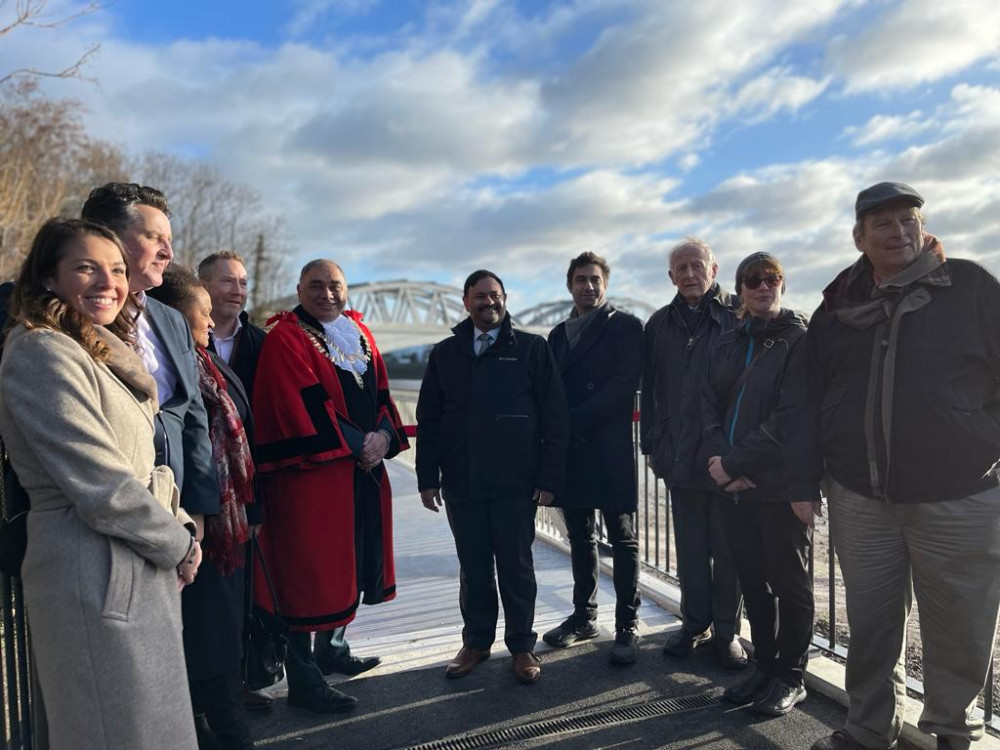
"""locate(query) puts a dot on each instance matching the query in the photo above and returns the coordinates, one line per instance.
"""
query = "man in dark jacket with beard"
(492, 439)
(599, 353)
(679, 338)
(901, 408)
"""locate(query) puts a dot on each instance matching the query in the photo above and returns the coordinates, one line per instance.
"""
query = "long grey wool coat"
(103, 542)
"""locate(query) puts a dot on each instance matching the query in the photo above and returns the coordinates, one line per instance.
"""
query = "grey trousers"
(710, 588)
(948, 554)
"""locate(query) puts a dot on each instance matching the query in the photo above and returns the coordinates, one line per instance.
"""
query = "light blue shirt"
(493, 334)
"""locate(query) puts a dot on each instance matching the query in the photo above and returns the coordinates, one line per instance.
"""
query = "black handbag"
(14, 507)
(266, 647)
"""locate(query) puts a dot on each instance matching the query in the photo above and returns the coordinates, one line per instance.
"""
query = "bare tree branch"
(73, 71)
(31, 14)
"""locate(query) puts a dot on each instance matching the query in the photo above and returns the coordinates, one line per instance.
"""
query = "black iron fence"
(15, 681)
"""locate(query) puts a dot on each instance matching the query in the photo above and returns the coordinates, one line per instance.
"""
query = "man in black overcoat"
(599, 353)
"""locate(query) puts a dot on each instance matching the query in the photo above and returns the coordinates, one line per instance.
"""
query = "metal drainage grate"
(549, 727)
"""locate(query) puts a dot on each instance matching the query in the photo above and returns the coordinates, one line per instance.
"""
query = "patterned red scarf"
(227, 531)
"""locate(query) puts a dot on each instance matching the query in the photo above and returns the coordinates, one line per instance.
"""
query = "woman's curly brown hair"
(35, 306)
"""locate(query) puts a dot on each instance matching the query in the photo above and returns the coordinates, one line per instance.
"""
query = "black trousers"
(220, 699)
(710, 588)
(771, 548)
(500, 532)
(580, 526)
(300, 663)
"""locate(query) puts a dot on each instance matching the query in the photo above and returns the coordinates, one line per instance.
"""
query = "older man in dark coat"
(679, 338)
(599, 354)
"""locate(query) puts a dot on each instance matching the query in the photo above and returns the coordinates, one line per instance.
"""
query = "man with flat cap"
(900, 407)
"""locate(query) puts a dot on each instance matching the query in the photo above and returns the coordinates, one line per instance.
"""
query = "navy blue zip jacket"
(494, 426)
(740, 400)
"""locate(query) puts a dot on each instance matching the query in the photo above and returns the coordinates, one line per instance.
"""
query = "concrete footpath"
(581, 701)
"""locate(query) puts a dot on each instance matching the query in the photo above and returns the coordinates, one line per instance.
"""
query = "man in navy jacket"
(491, 444)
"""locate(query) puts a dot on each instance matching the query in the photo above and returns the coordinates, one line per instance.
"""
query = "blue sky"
(426, 139)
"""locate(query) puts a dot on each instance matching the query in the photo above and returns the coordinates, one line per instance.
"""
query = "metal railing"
(15, 681)
(657, 556)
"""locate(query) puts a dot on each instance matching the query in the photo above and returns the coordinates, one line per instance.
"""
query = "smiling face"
(147, 241)
(198, 313)
(486, 303)
(91, 277)
(227, 286)
(693, 272)
(891, 236)
(588, 287)
(323, 292)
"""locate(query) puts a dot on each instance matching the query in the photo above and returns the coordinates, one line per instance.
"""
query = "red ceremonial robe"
(307, 472)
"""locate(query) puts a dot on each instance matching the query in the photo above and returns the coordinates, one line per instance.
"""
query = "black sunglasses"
(773, 280)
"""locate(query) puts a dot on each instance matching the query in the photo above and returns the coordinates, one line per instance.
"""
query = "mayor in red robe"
(324, 420)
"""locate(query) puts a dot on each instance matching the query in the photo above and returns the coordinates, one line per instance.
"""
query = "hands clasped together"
(806, 510)
(373, 450)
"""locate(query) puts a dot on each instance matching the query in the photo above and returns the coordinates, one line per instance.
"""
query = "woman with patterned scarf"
(213, 609)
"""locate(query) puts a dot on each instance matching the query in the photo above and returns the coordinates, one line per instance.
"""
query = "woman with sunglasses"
(769, 536)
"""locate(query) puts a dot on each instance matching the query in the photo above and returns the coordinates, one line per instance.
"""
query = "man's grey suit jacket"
(182, 440)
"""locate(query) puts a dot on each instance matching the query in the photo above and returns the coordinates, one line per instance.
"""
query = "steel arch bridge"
(549, 314)
(408, 303)
(404, 314)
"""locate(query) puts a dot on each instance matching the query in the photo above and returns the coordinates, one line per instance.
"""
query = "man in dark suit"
(491, 440)
(599, 352)
(140, 216)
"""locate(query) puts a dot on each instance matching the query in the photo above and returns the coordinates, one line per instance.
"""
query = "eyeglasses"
(773, 281)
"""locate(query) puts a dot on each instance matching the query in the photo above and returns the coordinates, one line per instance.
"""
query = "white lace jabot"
(348, 352)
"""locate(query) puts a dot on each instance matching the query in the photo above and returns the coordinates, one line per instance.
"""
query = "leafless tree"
(212, 213)
(29, 14)
(47, 162)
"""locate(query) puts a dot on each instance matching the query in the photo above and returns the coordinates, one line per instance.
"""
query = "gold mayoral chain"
(333, 353)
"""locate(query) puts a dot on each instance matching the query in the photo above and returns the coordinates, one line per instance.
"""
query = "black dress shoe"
(349, 665)
(779, 699)
(572, 630)
(748, 689)
(683, 642)
(731, 653)
(322, 700)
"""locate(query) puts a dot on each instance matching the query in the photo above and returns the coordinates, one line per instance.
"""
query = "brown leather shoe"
(465, 661)
(256, 701)
(527, 668)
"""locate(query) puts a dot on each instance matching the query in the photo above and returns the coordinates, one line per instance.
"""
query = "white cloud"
(882, 128)
(915, 42)
(490, 138)
(309, 13)
(776, 90)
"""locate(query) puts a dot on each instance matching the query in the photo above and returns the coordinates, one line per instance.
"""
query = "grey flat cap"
(878, 195)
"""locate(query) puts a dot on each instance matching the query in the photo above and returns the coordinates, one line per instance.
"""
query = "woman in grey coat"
(107, 551)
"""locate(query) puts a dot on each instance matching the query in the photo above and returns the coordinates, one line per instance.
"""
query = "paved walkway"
(407, 701)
